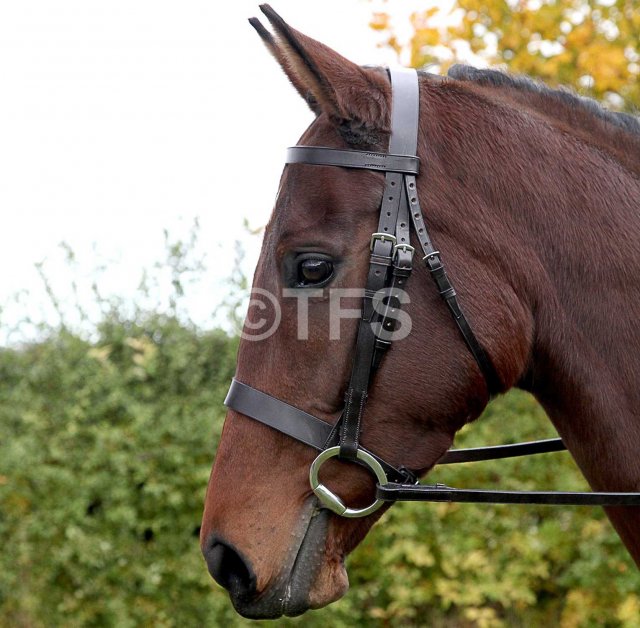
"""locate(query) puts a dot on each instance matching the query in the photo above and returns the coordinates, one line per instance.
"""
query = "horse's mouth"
(313, 582)
(307, 580)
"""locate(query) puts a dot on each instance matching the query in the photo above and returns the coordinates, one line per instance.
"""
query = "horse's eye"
(314, 271)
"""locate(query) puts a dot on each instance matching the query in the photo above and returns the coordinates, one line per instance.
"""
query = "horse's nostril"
(229, 568)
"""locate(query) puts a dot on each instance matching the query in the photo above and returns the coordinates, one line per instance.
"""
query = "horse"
(533, 196)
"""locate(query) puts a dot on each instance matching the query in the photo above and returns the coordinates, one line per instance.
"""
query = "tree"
(591, 45)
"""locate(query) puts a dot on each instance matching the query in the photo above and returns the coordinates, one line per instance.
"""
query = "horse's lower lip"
(290, 595)
(306, 565)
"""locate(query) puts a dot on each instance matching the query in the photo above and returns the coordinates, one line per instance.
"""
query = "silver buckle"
(407, 248)
(431, 255)
(383, 237)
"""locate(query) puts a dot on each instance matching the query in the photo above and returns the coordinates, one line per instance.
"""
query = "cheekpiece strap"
(384, 246)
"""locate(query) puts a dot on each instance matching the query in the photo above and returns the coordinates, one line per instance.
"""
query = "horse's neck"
(552, 225)
(585, 295)
(559, 221)
(586, 353)
(586, 373)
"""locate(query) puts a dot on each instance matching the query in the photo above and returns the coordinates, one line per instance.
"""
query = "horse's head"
(264, 536)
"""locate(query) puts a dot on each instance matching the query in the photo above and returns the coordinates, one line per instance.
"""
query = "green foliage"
(105, 454)
(106, 443)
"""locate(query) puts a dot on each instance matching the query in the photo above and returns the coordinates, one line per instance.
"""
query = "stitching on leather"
(363, 399)
(347, 409)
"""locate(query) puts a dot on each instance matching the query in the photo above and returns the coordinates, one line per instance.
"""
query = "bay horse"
(533, 195)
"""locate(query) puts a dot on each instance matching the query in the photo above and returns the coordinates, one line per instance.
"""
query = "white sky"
(120, 119)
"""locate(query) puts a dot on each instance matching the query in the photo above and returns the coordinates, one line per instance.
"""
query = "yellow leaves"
(594, 529)
(580, 606)
(144, 348)
(476, 560)
(377, 613)
(581, 35)
(578, 609)
(560, 41)
(380, 22)
(546, 20)
(421, 556)
(422, 44)
(407, 551)
(607, 65)
(483, 617)
(427, 34)
(142, 356)
(629, 611)
(101, 354)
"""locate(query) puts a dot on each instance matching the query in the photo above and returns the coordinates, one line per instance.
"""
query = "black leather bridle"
(390, 266)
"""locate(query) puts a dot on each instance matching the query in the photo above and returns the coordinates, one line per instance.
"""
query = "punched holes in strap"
(403, 140)
(436, 268)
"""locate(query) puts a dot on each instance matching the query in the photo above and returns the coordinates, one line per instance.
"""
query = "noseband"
(390, 266)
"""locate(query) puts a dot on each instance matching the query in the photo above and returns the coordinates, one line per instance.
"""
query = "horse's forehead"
(313, 195)
(323, 201)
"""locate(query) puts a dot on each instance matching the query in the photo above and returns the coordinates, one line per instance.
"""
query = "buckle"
(383, 237)
(430, 256)
(407, 248)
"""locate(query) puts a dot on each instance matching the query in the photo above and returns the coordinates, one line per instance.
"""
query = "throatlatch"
(390, 265)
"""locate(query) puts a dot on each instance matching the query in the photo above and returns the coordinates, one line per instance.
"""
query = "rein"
(390, 266)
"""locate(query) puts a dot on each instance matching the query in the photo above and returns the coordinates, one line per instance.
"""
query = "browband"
(319, 156)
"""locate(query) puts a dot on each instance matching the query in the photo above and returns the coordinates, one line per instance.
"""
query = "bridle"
(390, 266)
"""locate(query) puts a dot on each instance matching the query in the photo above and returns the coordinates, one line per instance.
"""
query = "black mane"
(495, 78)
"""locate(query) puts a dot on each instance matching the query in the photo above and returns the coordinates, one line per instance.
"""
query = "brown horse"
(533, 195)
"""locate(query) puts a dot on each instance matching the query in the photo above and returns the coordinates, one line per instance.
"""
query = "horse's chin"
(331, 584)
(310, 580)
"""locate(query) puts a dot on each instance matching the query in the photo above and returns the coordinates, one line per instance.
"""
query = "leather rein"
(390, 266)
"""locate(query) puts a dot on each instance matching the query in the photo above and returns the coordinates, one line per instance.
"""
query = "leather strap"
(319, 156)
(279, 415)
(320, 435)
(446, 290)
(403, 140)
(497, 452)
(443, 493)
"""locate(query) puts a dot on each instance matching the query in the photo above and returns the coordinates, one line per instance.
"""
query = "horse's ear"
(346, 92)
(279, 55)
